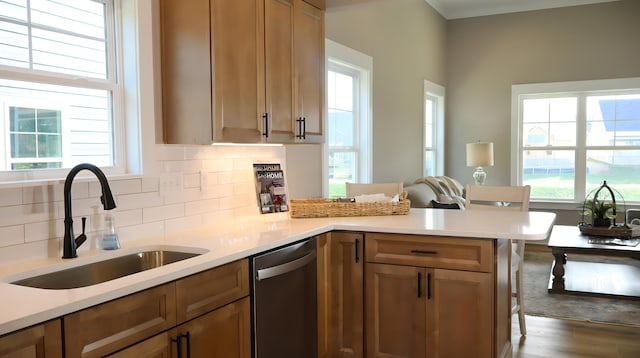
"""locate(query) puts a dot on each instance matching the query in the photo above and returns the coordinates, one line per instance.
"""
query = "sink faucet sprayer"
(71, 244)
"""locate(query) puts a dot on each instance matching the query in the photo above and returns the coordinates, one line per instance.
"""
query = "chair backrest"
(515, 198)
(388, 189)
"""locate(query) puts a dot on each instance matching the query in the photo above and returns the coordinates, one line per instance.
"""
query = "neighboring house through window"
(348, 142)
(61, 91)
(570, 137)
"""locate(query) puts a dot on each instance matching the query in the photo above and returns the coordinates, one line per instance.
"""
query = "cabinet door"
(459, 314)
(41, 341)
(347, 286)
(108, 327)
(186, 71)
(309, 67)
(325, 306)
(208, 290)
(395, 311)
(225, 332)
(279, 69)
(237, 42)
(158, 346)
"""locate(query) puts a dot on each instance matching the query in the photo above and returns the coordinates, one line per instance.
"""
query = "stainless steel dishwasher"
(285, 319)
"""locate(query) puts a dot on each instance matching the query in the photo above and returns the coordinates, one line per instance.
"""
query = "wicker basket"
(321, 208)
(621, 232)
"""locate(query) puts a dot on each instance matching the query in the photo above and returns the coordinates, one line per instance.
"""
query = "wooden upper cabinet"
(186, 71)
(242, 71)
(320, 4)
(310, 72)
(279, 69)
(237, 43)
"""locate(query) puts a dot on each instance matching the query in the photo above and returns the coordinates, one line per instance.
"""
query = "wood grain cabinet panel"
(435, 297)
(309, 72)
(208, 290)
(347, 294)
(40, 341)
(426, 251)
(103, 329)
(242, 71)
(395, 311)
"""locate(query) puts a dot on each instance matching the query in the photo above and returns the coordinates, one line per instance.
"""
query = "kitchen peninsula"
(474, 235)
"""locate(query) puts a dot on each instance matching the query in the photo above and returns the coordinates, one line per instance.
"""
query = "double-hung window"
(570, 137)
(433, 156)
(348, 144)
(59, 88)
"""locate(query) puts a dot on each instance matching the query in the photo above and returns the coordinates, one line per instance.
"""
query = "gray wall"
(486, 55)
(407, 40)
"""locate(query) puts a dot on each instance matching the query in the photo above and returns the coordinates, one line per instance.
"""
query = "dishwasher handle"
(278, 270)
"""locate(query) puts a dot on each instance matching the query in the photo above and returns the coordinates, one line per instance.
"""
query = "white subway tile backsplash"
(143, 231)
(138, 201)
(118, 187)
(183, 223)
(9, 197)
(11, 235)
(160, 213)
(202, 206)
(31, 218)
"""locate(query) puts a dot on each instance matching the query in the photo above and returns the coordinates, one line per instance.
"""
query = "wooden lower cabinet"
(105, 328)
(347, 288)
(208, 312)
(40, 341)
(395, 311)
(419, 312)
(225, 332)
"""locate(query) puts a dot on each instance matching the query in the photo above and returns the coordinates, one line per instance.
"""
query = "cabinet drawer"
(430, 251)
(43, 340)
(105, 328)
(208, 290)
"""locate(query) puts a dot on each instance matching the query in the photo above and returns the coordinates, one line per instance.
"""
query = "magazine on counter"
(270, 188)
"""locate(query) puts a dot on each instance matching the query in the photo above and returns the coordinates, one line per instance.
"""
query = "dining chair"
(388, 189)
(515, 198)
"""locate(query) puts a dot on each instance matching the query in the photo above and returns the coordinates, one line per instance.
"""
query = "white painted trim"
(363, 64)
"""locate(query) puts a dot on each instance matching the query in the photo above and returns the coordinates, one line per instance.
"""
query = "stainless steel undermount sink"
(106, 270)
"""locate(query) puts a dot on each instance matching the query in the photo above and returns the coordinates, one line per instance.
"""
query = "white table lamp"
(479, 155)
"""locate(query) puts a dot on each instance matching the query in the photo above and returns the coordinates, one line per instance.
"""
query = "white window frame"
(435, 93)
(580, 89)
(357, 62)
(123, 82)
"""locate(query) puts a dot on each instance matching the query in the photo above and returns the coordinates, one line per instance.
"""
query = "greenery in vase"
(599, 210)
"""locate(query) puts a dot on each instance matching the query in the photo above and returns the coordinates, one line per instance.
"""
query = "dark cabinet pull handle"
(428, 286)
(357, 250)
(265, 133)
(304, 128)
(423, 252)
(300, 122)
(188, 338)
(419, 284)
(178, 342)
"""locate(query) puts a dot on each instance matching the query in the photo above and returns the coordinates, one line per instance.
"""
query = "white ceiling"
(455, 9)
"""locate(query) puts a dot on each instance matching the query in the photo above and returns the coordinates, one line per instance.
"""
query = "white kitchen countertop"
(25, 306)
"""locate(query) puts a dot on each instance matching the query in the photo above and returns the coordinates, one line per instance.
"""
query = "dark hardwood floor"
(559, 338)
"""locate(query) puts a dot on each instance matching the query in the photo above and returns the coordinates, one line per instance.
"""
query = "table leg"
(558, 270)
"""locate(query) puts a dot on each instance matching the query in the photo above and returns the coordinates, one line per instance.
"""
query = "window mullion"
(581, 148)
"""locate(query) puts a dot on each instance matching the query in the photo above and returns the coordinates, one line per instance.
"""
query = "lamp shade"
(479, 154)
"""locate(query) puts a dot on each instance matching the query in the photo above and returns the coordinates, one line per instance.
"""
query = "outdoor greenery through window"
(58, 83)
(570, 141)
(341, 138)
